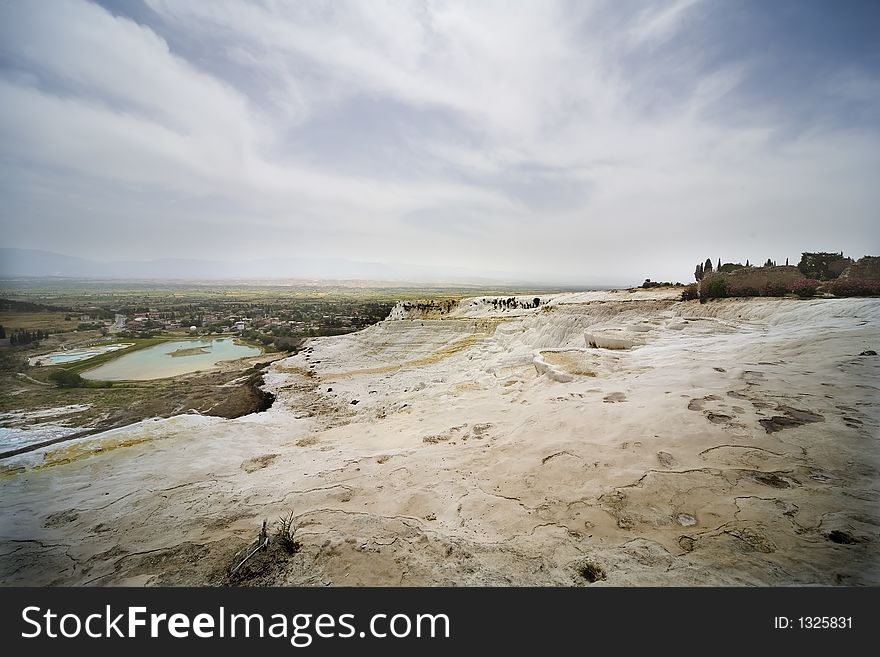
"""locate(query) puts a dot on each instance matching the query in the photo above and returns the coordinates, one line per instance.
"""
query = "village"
(273, 322)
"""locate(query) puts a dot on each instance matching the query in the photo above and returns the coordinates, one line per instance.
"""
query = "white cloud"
(142, 115)
(478, 97)
(655, 25)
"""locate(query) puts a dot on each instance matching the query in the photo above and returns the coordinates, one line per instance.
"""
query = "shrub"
(286, 530)
(805, 288)
(65, 378)
(853, 287)
(772, 289)
(716, 288)
(742, 291)
(690, 292)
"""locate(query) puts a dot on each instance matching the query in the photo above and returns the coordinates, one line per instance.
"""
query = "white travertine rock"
(492, 447)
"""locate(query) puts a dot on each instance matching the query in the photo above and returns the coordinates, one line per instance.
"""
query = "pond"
(75, 355)
(171, 359)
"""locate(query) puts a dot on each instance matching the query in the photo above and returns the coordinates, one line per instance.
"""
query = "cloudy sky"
(557, 141)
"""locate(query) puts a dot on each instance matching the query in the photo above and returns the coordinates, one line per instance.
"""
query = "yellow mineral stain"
(79, 451)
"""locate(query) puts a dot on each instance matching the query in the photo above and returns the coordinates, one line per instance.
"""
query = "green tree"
(823, 266)
(22, 337)
(65, 378)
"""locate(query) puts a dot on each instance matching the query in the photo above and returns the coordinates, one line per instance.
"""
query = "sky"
(572, 141)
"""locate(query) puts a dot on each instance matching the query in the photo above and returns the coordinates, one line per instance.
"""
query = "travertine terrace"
(729, 443)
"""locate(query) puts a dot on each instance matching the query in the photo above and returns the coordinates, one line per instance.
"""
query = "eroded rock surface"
(733, 443)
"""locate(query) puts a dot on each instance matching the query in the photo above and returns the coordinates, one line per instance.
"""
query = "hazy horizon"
(557, 142)
(28, 264)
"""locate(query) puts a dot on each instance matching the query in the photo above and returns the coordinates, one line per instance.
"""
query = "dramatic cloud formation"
(553, 141)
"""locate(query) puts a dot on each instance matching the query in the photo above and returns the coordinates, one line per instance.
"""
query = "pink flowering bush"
(774, 290)
(852, 287)
(805, 287)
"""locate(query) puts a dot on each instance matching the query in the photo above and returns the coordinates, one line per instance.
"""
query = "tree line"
(704, 268)
(20, 337)
(820, 265)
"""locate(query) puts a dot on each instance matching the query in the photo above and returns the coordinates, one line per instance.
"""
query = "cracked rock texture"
(735, 443)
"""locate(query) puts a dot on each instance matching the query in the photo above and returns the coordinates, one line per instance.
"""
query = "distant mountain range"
(32, 263)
